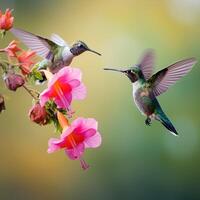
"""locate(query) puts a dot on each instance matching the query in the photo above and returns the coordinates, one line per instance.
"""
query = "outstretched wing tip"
(146, 63)
(194, 60)
(58, 40)
(149, 50)
(32, 41)
(163, 79)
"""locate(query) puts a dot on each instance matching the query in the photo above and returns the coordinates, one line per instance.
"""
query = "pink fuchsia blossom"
(25, 61)
(63, 87)
(75, 138)
(6, 20)
(12, 49)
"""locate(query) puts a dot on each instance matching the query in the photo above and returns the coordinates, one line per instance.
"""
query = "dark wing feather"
(163, 79)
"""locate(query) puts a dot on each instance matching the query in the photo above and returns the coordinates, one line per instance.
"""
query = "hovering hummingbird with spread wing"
(146, 87)
(56, 53)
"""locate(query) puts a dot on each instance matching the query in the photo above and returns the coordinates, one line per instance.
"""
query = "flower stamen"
(83, 163)
(62, 97)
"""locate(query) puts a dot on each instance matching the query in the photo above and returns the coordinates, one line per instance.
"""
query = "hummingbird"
(56, 53)
(146, 87)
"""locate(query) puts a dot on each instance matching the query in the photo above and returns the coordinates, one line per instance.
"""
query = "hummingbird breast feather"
(67, 56)
(63, 58)
(143, 99)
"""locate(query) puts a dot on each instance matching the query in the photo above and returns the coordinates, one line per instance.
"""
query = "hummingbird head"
(79, 47)
(132, 73)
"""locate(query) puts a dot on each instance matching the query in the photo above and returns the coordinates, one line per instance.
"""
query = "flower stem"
(30, 91)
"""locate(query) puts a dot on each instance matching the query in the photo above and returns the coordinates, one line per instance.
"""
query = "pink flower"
(75, 138)
(25, 61)
(63, 87)
(6, 20)
(12, 48)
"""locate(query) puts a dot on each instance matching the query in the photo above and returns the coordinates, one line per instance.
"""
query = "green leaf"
(35, 75)
(51, 109)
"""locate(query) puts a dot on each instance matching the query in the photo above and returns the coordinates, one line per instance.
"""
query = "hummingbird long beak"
(113, 69)
(94, 52)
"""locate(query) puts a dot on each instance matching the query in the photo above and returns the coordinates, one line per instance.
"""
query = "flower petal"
(94, 141)
(63, 101)
(74, 73)
(76, 152)
(54, 145)
(65, 75)
(79, 92)
(89, 133)
(44, 97)
(74, 83)
(83, 124)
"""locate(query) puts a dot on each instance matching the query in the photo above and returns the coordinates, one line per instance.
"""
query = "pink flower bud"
(25, 60)
(2, 103)
(12, 49)
(13, 81)
(6, 20)
(38, 114)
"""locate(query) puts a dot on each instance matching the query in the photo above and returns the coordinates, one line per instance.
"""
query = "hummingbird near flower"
(56, 53)
(146, 87)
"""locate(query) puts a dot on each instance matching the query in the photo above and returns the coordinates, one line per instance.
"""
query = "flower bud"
(2, 103)
(6, 20)
(13, 81)
(12, 49)
(25, 60)
(38, 114)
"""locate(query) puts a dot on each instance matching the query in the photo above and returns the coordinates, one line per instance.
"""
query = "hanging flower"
(12, 48)
(13, 81)
(2, 103)
(25, 61)
(38, 114)
(6, 20)
(75, 138)
(63, 87)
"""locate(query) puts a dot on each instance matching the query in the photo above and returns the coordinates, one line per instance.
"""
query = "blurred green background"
(135, 161)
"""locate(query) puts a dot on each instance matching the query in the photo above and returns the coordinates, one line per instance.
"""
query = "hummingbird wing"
(146, 63)
(42, 46)
(163, 79)
(58, 40)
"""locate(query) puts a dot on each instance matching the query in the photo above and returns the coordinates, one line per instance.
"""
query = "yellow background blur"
(134, 161)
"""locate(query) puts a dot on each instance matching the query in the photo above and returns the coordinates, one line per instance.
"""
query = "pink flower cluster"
(63, 88)
(53, 105)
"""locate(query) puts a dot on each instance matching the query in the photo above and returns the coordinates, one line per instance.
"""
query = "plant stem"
(30, 91)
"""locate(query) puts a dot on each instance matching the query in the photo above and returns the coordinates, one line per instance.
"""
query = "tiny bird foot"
(148, 121)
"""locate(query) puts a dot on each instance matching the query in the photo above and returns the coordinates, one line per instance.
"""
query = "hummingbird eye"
(129, 71)
(80, 45)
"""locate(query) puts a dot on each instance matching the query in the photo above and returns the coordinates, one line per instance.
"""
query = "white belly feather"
(136, 86)
(67, 56)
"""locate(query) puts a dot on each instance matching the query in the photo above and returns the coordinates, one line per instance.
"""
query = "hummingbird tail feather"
(166, 123)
